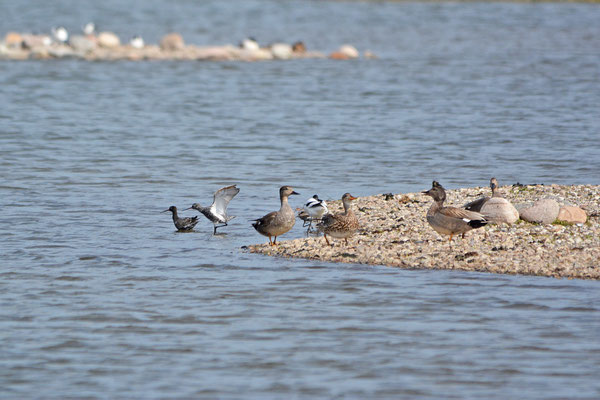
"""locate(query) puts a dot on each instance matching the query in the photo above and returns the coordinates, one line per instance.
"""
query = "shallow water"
(100, 298)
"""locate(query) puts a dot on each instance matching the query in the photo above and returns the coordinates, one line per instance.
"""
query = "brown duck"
(343, 225)
(277, 223)
(450, 220)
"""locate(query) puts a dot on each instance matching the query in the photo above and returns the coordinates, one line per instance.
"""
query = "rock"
(281, 51)
(36, 41)
(498, 210)
(336, 55)
(81, 44)
(108, 40)
(60, 51)
(172, 42)
(349, 51)
(542, 211)
(13, 40)
(572, 215)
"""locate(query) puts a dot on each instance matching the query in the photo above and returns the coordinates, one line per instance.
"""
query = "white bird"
(137, 42)
(249, 44)
(217, 212)
(315, 208)
(89, 28)
(60, 34)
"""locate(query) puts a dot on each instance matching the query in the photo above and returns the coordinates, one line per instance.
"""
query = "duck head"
(286, 191)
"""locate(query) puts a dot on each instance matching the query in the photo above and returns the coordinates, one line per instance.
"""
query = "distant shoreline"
(395, 233)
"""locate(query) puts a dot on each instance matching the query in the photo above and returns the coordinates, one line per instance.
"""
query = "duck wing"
(476, 205)
(460, 213)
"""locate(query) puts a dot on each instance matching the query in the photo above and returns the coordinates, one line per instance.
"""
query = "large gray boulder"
(543, 211)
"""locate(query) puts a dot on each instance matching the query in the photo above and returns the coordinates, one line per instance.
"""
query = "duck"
(496, 209)
(450, 220)
(137, 42)
(185, 224)
(277, 223)
(315, 208)
(342, 225)
(217, 211)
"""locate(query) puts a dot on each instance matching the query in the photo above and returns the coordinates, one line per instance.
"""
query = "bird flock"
(445, 220)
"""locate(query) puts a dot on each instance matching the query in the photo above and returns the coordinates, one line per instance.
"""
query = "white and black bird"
(60, 34)
(185, 224)
(249, 44)
(137, 42)
(315, 208)
(217, 212)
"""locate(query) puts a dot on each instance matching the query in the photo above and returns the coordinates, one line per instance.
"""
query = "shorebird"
(60, 34)
(249, 44)
(303, 215)
(315, 208)
(496, 208)
(277, 223)
(341, 225)
(89, 29)
(182, 224)
(217, 212)
(450, 220)
(137, 42)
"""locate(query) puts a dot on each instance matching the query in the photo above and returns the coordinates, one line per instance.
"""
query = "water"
(100, 298)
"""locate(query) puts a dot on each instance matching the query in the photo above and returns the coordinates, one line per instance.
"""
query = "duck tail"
(477, 223)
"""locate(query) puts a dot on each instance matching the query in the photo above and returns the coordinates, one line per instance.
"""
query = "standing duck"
(341, 225)
(277, 223)
(496, 208)
(450, 220)
(217, 212)
(182, 224)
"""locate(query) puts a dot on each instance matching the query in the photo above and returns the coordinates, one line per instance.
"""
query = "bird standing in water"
(217, 212)
(277, 223)
(185, 224)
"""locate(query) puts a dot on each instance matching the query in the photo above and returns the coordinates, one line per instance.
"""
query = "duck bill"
(352, 198)
(425, 192)
(189, 208)
(294, 192)
(165, 210)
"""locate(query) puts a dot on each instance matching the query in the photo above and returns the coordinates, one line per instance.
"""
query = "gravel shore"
(394, 232)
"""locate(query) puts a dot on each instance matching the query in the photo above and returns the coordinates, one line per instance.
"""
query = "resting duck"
(496, 209)
(342, 225)
(450, 220)
(182, 224)
(277, 223)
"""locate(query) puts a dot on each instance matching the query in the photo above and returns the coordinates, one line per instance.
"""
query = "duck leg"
(346, 240)
(325, 236)
(275, 241)
(270, 241)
